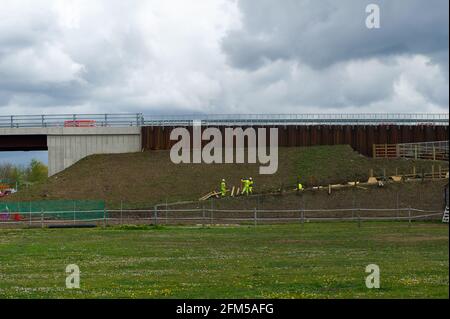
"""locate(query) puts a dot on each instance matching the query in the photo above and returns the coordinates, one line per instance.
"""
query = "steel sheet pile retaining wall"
(359, 137)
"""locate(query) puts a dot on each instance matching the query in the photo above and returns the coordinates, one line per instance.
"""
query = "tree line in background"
(34, 172)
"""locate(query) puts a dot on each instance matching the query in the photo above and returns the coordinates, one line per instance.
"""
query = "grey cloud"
(289, 56)
(321, 33)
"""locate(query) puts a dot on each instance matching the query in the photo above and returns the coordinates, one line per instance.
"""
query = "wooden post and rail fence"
(436, 151)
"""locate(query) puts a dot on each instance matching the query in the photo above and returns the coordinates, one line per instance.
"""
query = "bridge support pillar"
(73, 144)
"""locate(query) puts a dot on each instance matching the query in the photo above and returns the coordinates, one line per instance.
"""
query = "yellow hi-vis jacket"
(223, 188)
(250, 185)
(245, 186)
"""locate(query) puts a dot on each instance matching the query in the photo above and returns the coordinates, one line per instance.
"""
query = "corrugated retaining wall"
(360, 137)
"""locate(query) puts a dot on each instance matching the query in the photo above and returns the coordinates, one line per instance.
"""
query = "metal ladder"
(445, 217)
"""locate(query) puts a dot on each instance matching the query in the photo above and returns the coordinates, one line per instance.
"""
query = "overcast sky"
(23, 158)
(222, 56)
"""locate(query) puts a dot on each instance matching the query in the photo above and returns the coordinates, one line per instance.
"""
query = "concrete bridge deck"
(67, 145)
(124, 133)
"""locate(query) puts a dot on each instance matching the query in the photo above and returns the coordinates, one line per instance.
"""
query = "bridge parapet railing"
(138, 119)
(71, 120)
(300, 119)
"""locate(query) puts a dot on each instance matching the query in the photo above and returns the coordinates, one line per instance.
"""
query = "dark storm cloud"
(320, 33)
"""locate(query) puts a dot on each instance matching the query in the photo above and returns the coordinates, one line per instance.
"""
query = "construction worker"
(250, 185)
(299, 185)
(245, 185)
(223, 188)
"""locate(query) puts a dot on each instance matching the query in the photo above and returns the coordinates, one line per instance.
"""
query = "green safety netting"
(56, 209)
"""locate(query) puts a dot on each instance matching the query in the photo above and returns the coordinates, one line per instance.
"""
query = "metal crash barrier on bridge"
(139, 119)
(72, 120)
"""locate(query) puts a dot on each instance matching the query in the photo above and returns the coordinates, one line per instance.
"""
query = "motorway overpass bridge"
(69, 138)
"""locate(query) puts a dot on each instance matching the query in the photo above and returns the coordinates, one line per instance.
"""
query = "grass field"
(316, 260)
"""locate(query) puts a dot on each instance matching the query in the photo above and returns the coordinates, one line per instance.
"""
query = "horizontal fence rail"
(426, 150)
(211, 216)
(139, 119)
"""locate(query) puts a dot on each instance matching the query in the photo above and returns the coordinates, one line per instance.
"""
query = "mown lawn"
(316, 260)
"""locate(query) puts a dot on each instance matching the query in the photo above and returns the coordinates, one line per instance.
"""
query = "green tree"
(36, 172)
(6, 170)
(18, 174)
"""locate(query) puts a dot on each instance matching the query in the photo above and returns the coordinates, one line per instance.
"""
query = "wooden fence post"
(203, 215)
(121, 212)
(212, 213)
(30, 214)
(359, 220)
(409, 217)
(166, 213)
